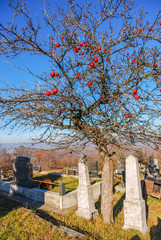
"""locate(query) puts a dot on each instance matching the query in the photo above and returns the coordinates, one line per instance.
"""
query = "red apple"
(126, 115)
(129, 115)
(90, 52)
(62, 37)
(84, 15)
(91, 64)
(85, 45)
(160, 90)
(82, 53)
(135, 91)
(48, 93)
(77, 77)
(105, 139)
(52, 74)
(155, 65)
(157, 148)
(99, 48)
(95, 143)
(57, 44)
(55, 90)
(56, 74)
(150, 29)
(83, 77)
(90, 84)
(103, 90)
(137, 97)
(96, 59)
(100, 97)
(127, 59)
(159, 23)
(133, 59)
(140, 30)
(81, 44)
(70, 152)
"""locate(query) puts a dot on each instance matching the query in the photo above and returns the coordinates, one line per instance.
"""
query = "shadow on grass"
(58, 223)
(118, 206)
(7, 206)
(155, 231)
(135, 238)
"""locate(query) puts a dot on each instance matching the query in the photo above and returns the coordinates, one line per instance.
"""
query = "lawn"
(17, 223)
(71, 182)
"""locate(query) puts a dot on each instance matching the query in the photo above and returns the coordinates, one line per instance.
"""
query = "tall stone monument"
(22, 172)
(134, 205)
(86, 207)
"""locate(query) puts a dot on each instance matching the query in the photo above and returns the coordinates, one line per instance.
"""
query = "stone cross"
(86, 207)
(134, 205)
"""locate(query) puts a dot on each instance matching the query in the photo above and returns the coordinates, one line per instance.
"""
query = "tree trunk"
(107, 191)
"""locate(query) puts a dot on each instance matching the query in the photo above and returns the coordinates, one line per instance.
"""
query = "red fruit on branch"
(81, 44)
(90, 52)
(126, 115)
(82, 53)
(52, 74)
(56, 74)
(135, 91)
(90, 84)
(62, 37)
(57, 44)
(137, 97)
(99, 48)
(100, 97)
(91, 64)
(159, 23)
(140, 30)
(150, 29)
(55, 90)
(85, 45)
(105, 139)
(96, 59)
(160, 90)
(48, 93)
(129, 115)
(133, 60)
(95, 143)
(155, 65)
(157, 148)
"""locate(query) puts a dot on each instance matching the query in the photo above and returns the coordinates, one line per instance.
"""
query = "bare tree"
(104, 85)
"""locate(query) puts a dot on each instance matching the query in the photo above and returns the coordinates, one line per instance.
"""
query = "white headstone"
(134, 205)
(156, 162)
(86, 207)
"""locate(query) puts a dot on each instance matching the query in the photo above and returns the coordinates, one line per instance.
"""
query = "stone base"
(135, 215)
(87, 214)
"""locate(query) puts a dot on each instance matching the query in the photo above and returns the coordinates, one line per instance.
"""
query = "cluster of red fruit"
(135, 94)
(48, 93)
(127, 115)
(53, 74)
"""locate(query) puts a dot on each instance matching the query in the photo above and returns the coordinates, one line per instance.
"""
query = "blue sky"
(39, 64)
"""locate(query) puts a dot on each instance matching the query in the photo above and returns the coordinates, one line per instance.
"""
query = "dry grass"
(15, 221)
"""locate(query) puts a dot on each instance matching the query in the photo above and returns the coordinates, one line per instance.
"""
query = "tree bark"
(107, 191)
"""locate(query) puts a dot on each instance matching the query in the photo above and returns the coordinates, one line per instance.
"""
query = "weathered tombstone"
(67, 170)
(93, 169)
(119, 170)
(134, 205)
(39, 168)
(151, 160)
(22, 172)
(86, 207)
(156, 162)
(61, 188)
(2, 174)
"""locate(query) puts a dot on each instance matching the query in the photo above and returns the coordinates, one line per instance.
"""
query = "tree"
(104, 82)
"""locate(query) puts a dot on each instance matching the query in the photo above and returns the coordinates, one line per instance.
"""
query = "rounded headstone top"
(22, 159)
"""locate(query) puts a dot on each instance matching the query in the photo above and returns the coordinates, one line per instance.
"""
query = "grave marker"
(86, 207)
(134, 205)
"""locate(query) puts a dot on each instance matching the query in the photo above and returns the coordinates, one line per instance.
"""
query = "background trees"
(104, 86)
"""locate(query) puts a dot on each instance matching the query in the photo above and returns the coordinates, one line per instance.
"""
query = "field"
(18, 223)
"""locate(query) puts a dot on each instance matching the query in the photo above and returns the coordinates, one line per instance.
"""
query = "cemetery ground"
(18, 223)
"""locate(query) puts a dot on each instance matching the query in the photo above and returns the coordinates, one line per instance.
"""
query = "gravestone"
(156, 162)
(2, 174)
(119, 169)
(151, 160)
(23, 172)
(86, 207)
(93, 169)
(134, 205)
